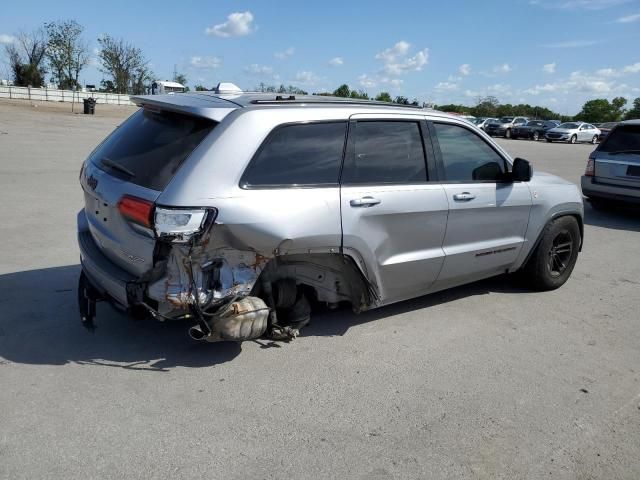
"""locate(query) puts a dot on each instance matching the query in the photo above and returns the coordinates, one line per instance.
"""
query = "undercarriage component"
(244, 319)
(87, 298)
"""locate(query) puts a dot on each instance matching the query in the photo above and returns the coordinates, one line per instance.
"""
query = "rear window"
(150, 146)
(622, 139)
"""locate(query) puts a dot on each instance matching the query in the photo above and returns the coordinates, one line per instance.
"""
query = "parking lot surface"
(487, 380)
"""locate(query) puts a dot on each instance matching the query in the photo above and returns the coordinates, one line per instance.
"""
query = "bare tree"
(125, 64)
(26, 57)
(67, 52)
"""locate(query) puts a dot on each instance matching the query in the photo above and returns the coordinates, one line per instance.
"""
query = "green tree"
(67, 52)
(401, 100)
(384, 97)
(201, 88)
(634, 112)
(601, 110)
(486, 107)
(26, 58)
(125, 64)
(342, 91)
(181, 78)
(359, 94)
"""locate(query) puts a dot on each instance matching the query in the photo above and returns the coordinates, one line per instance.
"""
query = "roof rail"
(279, 100)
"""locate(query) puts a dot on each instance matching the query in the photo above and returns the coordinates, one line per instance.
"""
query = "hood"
(562, 130)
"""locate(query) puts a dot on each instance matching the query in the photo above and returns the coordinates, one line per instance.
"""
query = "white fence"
(54, 95)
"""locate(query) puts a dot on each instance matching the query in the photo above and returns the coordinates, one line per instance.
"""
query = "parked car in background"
(482, 122)
(613, 169)
(194, 212)
(503, 127)
(573, 132)
(533, 129)
(605, 128)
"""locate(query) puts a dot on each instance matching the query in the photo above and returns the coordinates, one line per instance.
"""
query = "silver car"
(573, 132)
(482, 122)
(613, 169)
(236, 212)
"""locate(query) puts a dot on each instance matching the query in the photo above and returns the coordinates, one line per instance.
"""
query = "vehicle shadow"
(40, 325)
(336, 323)
(614, 216)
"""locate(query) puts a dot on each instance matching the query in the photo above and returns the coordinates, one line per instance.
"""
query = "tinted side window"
(386, 152)
(466, 157)
(304, 154)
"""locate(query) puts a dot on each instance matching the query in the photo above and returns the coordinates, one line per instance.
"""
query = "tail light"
(590, 171)
(136, 210)
(179, 225)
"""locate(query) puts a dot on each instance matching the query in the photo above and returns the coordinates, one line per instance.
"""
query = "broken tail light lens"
(136, 210)
(179, 225)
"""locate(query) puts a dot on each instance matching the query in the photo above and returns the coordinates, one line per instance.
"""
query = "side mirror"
(522, 170)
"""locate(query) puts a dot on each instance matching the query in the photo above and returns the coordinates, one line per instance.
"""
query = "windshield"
(569, 125)
(534, 124)
(608, 125)
(506, 119)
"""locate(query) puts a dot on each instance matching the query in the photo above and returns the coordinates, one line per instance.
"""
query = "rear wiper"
(624, 151)
(116, 166)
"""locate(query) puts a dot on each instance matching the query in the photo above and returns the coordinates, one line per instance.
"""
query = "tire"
(594, 140)
(548, 141)
(536, 136)
(552, 262)
(573, 139)
(507, 134)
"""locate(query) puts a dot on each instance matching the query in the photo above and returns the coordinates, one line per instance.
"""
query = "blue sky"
(556, 53)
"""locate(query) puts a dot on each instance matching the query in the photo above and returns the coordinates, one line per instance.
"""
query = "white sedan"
(573, 132)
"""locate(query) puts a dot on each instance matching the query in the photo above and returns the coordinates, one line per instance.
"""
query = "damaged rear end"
(145, 257)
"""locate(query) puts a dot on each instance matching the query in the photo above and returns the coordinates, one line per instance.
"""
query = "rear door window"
(150, 146)
(623, 139)
(298, 155)
(386, 152)
(466, 157)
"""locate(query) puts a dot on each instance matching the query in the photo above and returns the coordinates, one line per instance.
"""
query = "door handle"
(364, 202)
(463, 197)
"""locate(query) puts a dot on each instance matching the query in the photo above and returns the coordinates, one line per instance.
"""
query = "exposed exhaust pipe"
(196, 333)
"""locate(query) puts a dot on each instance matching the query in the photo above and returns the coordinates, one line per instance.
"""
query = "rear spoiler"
(211, 107)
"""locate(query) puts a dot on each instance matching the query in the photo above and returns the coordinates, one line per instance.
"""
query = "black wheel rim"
(560, 253)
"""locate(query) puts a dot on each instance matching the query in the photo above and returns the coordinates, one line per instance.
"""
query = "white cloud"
(607, 72)
(7, 39)
(336, 62)
(549, 67)
(635, 68)
(366, 81)
(504, 68)
(396, 61)
(446, 87)
(238, 24)
(628, 19)
(306, 78)
(578, 4)
(205, 62)
(285, 53)
(571, 44)
(260, 71)
(464, 69)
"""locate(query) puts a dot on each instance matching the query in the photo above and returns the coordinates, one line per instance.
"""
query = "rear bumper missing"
(108, 279)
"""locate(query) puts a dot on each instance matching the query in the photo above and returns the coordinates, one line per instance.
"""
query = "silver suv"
(238, 211)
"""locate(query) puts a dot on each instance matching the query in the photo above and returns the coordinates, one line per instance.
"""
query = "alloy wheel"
(560, 253)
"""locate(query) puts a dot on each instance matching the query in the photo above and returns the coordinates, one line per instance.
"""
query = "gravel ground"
(482, 381)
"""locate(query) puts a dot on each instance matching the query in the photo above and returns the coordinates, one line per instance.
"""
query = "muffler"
(244, 319)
